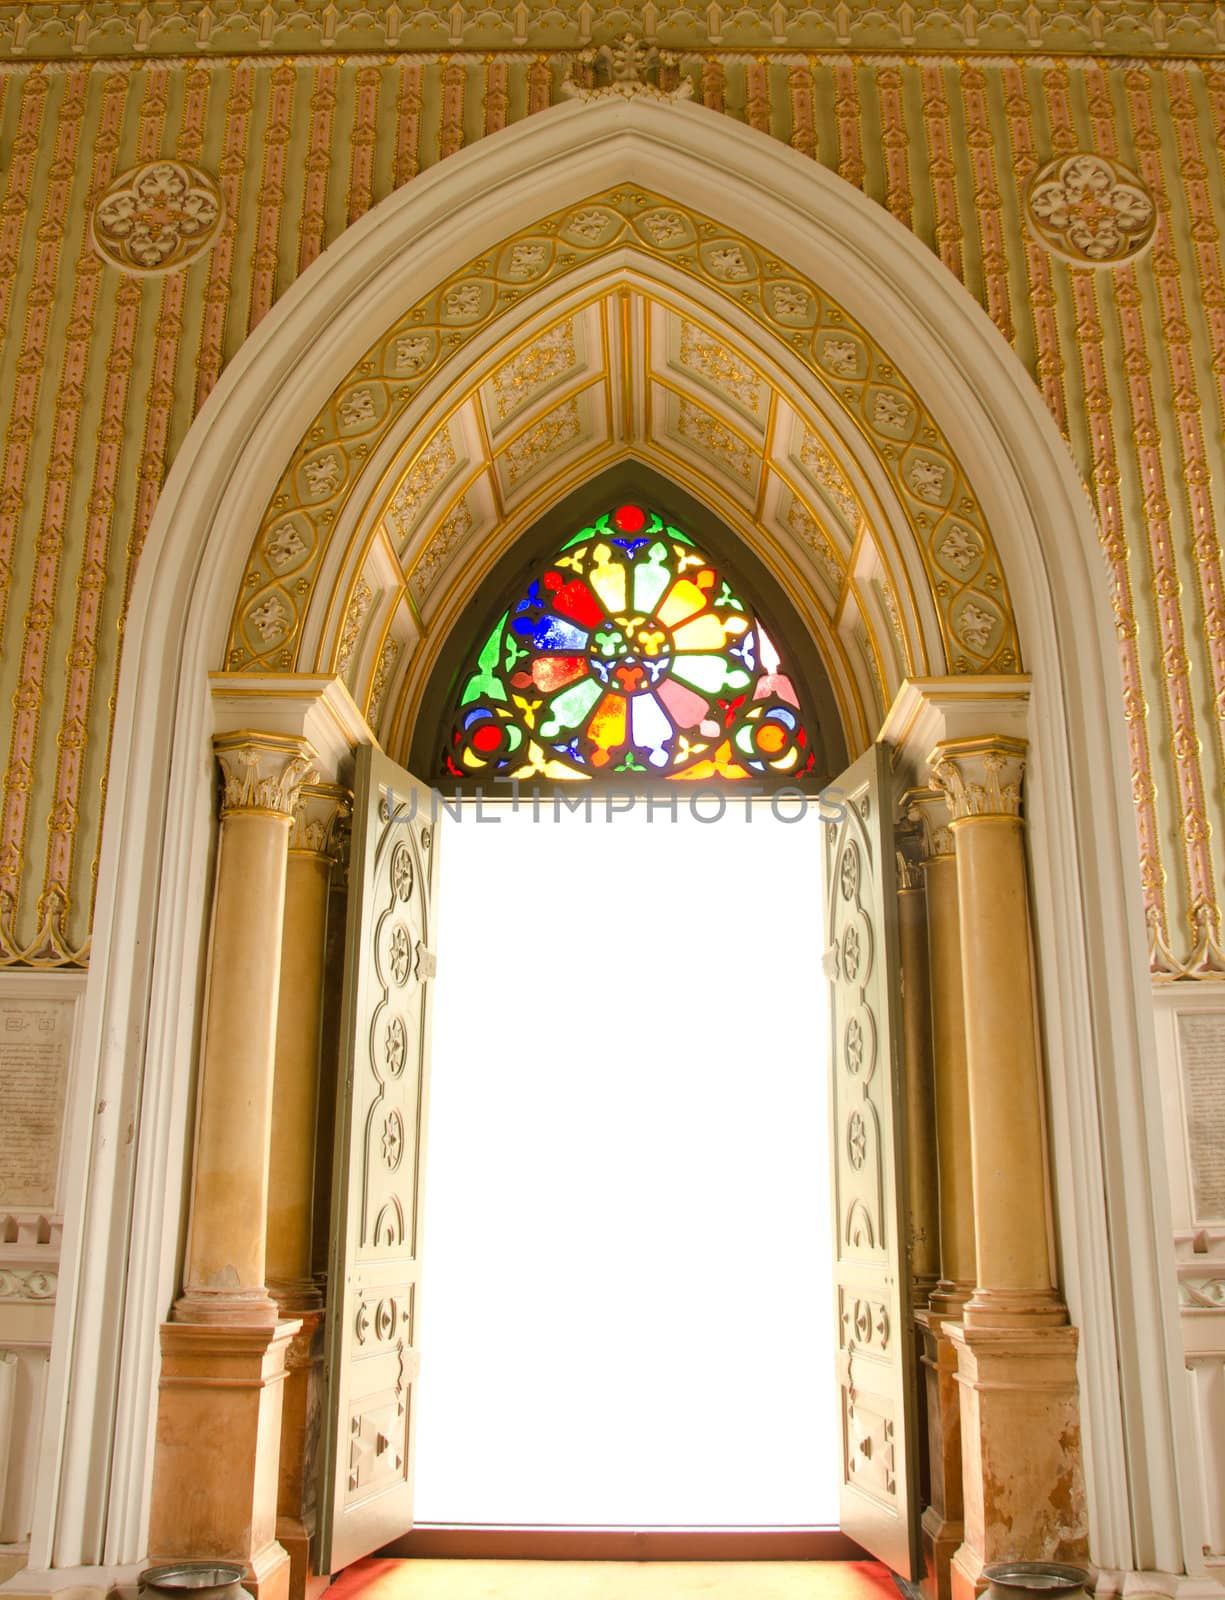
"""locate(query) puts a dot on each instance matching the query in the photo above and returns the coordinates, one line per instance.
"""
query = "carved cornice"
(928, 811)
(85, 29)
(980, 777)
(318, 818)
(261, 771)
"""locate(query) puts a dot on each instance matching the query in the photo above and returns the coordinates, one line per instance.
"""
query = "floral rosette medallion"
(1090, 210)
(629, 653)
(157, 217)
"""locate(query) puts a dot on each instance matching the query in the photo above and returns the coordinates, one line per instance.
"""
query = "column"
(293, 1158)
(1014, 1279)
(922, 1194)
(942, 1527)
(1022, 1477)
(952, 1093)
(223, 1355)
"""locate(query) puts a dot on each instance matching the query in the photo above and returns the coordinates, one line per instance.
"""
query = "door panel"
(875, 1355)
(374, 1256)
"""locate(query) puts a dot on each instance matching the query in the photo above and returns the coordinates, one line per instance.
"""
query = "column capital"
(318, 816)
(929, 810)
(980, 777)
(261, 771)
(910, 849)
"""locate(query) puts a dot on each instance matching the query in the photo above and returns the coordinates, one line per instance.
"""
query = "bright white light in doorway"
(626, 1312)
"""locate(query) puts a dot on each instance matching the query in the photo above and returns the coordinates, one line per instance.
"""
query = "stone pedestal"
(1021, 1452)
(300, 1418)
(218, 1431)
(942, 1525)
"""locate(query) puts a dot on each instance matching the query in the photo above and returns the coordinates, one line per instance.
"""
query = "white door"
(875, 1349)
(374, 1258)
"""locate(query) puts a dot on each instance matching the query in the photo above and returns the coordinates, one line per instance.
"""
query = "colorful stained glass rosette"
(629, 653)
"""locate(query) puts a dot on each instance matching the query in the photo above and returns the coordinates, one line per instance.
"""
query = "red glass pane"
(629, 519)
(576, 601)
(552, 672)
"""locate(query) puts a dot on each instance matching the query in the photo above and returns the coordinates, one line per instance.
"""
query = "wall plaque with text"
(1201, 1053)
(35, 1042)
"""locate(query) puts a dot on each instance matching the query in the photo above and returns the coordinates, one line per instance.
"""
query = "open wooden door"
(875, 1351)
(366, 1486)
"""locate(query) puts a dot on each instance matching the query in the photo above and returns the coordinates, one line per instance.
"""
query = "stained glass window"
(630, 652)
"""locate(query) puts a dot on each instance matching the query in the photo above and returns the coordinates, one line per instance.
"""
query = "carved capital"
(928, 811)
(261, 771)
(980, 777)
(318, 816)
(909, 848)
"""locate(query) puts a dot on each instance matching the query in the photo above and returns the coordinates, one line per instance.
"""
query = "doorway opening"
(627, 1302)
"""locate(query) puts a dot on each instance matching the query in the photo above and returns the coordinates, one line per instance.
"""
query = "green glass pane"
(570, 707)
(711, 673)
(651, 578)
(485, 680)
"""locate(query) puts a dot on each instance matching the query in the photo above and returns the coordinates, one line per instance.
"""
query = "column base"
(942, 1525)
(1014, 1308)
(217, 1448)
(233, 1308)
(949, 1297)
(1022, 1478)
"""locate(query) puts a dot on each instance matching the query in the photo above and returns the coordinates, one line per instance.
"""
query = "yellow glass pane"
(703, 633)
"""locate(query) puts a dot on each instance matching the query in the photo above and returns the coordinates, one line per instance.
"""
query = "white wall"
(1191, 1049)
(37, 1079)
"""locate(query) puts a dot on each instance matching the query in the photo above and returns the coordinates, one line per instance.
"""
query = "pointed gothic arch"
(142, 1004)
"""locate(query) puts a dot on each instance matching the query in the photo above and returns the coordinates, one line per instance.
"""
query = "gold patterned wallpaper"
(103, 366)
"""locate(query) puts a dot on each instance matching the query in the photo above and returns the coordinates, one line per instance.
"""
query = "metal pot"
(193, 1580)
(1009, 1580)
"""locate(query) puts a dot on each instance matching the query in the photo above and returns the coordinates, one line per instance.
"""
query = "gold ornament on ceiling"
(157, 217)
(626, 67)
(1091, 210)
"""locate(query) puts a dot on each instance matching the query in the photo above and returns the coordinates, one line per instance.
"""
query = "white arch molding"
(142, 1002)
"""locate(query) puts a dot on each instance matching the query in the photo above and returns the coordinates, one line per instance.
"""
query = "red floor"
(380, 1578)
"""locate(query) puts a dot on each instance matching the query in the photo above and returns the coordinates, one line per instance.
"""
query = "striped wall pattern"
(101, 374)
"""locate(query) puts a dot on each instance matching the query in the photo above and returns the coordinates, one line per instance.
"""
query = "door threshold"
(473, 1542)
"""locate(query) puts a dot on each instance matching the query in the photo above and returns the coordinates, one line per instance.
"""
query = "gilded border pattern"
(1176, 674)
(59, 28)
(40, 304)
(221, 260)
(942, 169)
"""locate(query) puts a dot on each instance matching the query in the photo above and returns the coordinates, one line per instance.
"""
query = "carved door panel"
(879, 1449)
(374, 1256)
